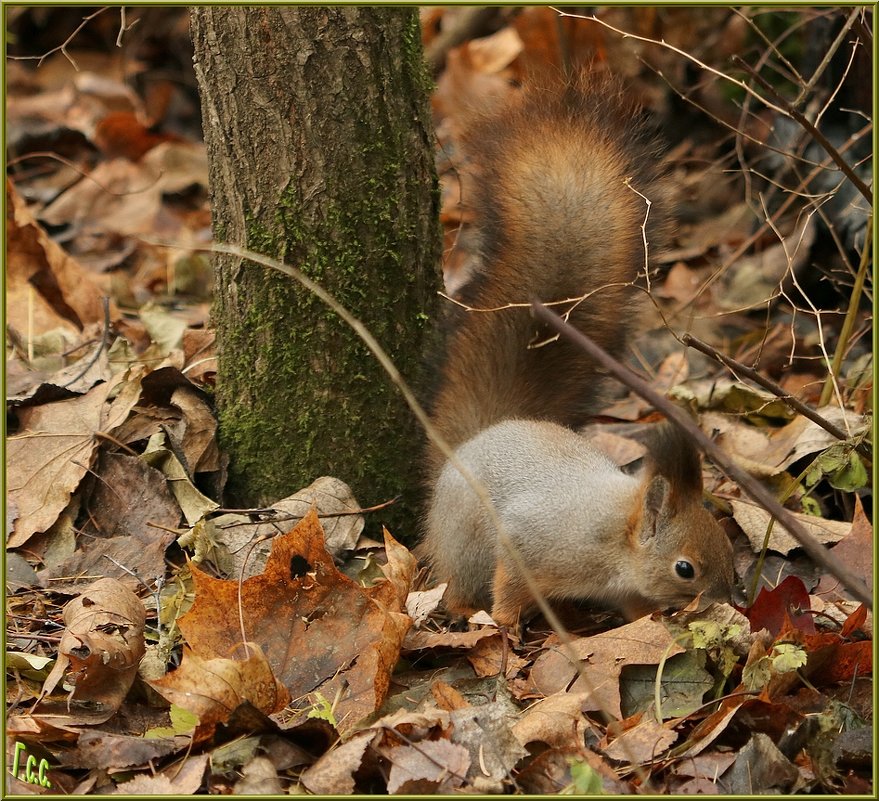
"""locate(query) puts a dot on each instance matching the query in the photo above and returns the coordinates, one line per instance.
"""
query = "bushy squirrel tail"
(564, 171)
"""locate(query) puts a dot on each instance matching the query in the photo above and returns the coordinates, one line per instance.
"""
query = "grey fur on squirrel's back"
(530, 501)
(556, 220)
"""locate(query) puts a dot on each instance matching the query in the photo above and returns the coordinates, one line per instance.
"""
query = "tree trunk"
(318, 135)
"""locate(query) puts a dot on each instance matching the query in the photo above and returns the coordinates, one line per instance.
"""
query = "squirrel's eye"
(684, 569)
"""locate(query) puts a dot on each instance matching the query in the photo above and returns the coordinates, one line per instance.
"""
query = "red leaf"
(786, 603)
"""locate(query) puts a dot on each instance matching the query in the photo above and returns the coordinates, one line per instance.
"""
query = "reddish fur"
(556, 221)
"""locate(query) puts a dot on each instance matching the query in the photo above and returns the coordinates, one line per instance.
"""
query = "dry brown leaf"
(682, 282)
(329, 496)
(642, 743)
(214, 688)
(179, 779)
(489, 654)
(446, 696)
(754, 520)
(320, 631)
(260, 777)
(711, 727)
(437, 766)
(486, 732)
(674, 370)
(244, 545)
(130, 207)
(644, 642)
(53, 450)
(48, 457)
(855, 551)
(802, 437)
(104, 750)
(45, 287)
(131, 499)
(333, 773)
(101, 646)
(557, 721)
(198, 440)
(621, 450)
(420, 605)
(421, 640)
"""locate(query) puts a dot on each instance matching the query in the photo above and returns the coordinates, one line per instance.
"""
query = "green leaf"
(841, 466)
(852, 476)
(585, 780)
(182, 722)
(756, 675)
(787, 657)
(322, 710)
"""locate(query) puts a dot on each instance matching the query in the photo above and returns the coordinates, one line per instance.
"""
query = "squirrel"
(561, 217)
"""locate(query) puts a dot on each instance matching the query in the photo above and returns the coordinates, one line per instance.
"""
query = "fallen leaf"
(488, 656)
(420, 605)
(320, 632)
(45, 287)
(52, 451)
(642, 743)
(179, 779)
(486, 732)
(194, 504)
(241, 547)
(104, 750)
(683, 685)
(787, 603)
(754, 520)
(422, 640)
(439, 764)
(130, 499)
(198, 440)
(446, 696)
(48, 457)
(854, 551)
(603, 657)
(213, 688)
(757, 278)
(260, 777)
(557, 721)
(101, 646)
(333, 773)
(761, 767)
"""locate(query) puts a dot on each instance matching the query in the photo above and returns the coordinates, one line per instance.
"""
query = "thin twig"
(765, 498)
(63, 46)
(48, 154)
(809, 126)
(828, 56)
(767, 383)
(102, 346)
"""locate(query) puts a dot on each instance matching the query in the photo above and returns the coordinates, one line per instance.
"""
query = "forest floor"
(160, 643)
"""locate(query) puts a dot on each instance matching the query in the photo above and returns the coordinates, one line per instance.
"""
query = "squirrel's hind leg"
(512, 601)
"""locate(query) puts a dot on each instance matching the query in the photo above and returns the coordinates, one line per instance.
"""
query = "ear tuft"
(673, 455)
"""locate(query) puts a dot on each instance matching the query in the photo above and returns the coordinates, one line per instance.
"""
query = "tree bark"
(318, 134)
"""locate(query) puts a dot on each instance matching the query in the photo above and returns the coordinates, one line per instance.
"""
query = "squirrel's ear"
(673, 455)
(656, 498)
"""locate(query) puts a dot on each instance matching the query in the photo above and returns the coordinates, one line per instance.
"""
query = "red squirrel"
(561, 216)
